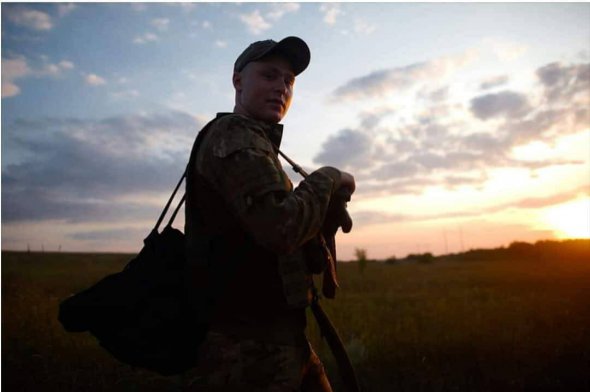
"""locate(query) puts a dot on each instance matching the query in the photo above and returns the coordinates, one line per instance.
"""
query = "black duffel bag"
(142, 315)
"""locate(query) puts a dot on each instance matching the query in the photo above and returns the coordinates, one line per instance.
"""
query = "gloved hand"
(337, 215)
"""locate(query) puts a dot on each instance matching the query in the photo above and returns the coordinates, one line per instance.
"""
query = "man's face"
(264, 89)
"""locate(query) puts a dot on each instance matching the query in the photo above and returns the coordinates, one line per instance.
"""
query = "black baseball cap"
(294, 49)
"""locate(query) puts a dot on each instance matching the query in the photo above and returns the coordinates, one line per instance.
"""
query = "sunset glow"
(570, 220)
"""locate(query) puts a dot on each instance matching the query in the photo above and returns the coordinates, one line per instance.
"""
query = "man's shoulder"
(234, 121)
(232, 132)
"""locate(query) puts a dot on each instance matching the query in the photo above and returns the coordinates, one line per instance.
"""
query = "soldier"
(257, 232)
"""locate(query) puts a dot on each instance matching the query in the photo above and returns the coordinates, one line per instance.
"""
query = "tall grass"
(477, 322)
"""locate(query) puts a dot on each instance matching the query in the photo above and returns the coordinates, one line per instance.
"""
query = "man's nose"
(281, 86)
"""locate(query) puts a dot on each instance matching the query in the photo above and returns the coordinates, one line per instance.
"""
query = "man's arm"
(241, 164)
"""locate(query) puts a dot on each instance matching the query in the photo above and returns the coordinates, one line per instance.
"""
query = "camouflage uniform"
(257, 335)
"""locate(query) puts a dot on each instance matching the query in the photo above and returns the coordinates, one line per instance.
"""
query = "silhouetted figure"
(241, 206)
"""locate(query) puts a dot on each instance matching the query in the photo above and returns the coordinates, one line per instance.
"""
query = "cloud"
(64, 9)
(370, 118)
(436, 95)
(363, 27)
(44, 205)
(494, 81)
(56, 69)
(126, 94)
(9, 89)
(331, 12)
(563, 82)
(161, 23)
(66, 65)
(86, 170)
(257, 23)
(221, 43)
(109, 234)
(186, 7)
(377, 84)
(94, 80)
(551, 200)
(366, 217)
(505, 103)
(348, 148)
(145, 38)
(13, 69)
(28, 18)
(18, 68)
(506, 51)
(278, 10)
(438, 140)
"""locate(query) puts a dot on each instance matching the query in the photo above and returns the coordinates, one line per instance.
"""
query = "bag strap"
(198, 140)
(163, 214)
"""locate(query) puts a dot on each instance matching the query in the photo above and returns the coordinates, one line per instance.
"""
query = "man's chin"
(273, 118)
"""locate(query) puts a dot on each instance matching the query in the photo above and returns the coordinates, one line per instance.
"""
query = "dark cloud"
(110, 235)
(502, 104)
(381, 82)
(481, 141)
(401, 169)
(38, 204)
(348, 148)
(558, 198)
(494, 81)
(78, 169)
(550, 74)
(378, 83)
(563, 82)
(371, 119)
(546, 125)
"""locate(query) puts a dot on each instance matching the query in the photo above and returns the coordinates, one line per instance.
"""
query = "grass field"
(514, 319)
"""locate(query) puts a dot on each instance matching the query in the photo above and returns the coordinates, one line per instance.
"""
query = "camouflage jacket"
(238, 160)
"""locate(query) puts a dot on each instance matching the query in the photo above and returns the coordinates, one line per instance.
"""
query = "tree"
(361, 257)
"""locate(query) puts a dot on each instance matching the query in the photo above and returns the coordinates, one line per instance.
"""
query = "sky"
(466, 125)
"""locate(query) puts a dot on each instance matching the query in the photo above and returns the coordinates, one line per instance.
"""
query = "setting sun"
(570, 220)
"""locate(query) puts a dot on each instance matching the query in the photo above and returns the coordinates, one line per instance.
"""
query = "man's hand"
(337, 214)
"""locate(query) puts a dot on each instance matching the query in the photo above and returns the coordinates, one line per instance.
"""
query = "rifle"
(330, 283)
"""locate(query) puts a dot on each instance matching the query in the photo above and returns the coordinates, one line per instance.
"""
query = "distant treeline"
(576, 248)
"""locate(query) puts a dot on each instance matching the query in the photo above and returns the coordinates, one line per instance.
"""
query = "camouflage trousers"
(229, 364)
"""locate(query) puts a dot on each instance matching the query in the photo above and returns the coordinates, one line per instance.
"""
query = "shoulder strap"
(198, 140)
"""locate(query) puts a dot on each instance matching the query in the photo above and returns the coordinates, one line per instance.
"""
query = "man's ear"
(237, 81)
